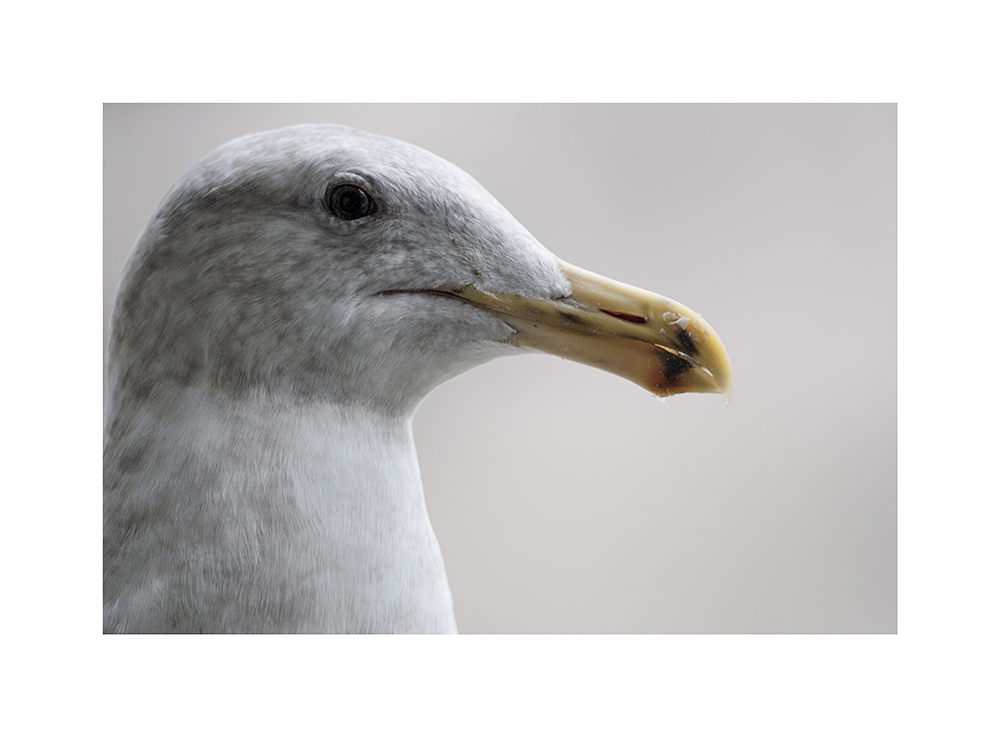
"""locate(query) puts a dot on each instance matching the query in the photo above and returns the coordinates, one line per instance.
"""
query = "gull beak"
(659, 344)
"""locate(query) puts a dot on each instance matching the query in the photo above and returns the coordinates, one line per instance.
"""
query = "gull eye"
(349, 202)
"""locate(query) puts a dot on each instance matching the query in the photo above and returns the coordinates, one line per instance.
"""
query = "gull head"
(322, 262)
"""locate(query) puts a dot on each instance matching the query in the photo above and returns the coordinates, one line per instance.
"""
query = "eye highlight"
(349, 202)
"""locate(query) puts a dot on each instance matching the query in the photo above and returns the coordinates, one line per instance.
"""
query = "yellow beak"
(659, 344)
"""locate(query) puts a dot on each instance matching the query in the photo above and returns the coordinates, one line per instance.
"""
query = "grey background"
(568, 500)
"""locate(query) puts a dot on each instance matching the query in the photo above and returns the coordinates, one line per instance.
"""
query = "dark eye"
(349, 202)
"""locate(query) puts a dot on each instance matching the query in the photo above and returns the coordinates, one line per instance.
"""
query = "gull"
(294, 297)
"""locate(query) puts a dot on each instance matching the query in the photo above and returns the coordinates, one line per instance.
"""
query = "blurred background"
(569, 500)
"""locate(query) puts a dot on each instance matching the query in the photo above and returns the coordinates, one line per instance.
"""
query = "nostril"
(626, 316)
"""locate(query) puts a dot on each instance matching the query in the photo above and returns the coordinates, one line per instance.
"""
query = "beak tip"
(723, 387)
(727, 394)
